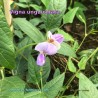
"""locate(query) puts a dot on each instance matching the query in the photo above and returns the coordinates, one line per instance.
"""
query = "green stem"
(72, 78)
(41, 71)
(81, 44)
(83, 39)
(93, 69)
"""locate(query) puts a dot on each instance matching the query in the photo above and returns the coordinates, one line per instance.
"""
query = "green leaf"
(36, 7)
(86, 88)
(35, 21)
(12, 87)
(52, 87)
(82, 63)
(87, 52)
(67, 36)
(4, 26)
(69, 16)
(67, 50)
(45, 2)
(80, 5)
(71, 65)
(7, 53)
(34, 71)
(21, 59)
(37, 94)
(18, 33)
(54, 20)
(80, 15)
(22, 5)
(57, 72)
(29, 29)
(46, 70)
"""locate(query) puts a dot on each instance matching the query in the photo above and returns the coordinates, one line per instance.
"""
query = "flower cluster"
(50, 47)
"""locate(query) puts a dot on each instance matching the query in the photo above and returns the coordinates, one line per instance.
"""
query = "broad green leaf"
(12, 87)
(37, 94)
(54, 20)
(69, 16)
(36, 7)
(29, 29)
(80, 5)
(18, 33)
(80, 13)
(57, 72)
(45, 2)
(82, 63)
(67, 50)
(35, 21)
(52, 87)
(71, 65)
(67, 36)
(22, 5)
(34, 71)
(4, 26)
(87, 52)
(21, 59)
(46, 70)
(7, 53)
(86, 88)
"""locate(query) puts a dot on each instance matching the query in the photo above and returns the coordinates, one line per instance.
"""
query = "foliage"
(63, 54)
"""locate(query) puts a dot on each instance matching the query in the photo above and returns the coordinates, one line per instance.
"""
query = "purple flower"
(50, 47)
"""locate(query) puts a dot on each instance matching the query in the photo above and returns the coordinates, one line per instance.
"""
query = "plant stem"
(41, 71)
(92, 53)
(83, 38)
(72, 78)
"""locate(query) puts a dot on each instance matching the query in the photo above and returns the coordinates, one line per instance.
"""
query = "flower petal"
(58, 37)
(57, 44)
(51, 49)
(46, 48)
(49, 35)
(41, 60)
(41, 46)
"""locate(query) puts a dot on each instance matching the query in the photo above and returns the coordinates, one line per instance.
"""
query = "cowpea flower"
(50, 47)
